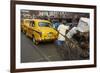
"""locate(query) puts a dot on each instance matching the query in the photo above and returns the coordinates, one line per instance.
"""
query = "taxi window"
(44, 24)
(32, 23)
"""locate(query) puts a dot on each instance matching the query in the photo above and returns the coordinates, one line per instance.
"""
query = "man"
(62, 31)
(61, 39)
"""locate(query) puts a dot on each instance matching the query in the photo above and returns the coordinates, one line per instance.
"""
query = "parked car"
(41, 30)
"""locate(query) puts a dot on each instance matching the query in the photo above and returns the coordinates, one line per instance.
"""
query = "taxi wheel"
(24, 32)
(21, 30)
(34, 41)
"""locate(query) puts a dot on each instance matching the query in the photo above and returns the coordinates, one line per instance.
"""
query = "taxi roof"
(38, 20)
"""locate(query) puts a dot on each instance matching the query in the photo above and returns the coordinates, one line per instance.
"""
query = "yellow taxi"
(24, 25)
(41, 30)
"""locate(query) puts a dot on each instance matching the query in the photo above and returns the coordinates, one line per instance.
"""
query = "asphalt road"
(44, 52)
(37, 53)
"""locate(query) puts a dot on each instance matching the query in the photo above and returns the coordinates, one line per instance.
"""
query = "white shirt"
(62, 29)
(71, 32)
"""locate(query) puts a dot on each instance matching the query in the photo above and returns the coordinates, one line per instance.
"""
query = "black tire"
(24, 31)
(26, 34)
(34, 41)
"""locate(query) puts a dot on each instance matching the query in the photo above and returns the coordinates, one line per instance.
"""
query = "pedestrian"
(62, 28)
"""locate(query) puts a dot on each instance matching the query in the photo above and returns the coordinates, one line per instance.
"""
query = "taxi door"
(31, 28)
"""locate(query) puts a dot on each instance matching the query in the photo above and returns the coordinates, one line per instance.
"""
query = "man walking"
(62, 28)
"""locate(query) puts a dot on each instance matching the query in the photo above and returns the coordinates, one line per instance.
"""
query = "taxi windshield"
(44, 24)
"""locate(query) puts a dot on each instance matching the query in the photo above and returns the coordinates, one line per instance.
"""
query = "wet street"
(42, 52)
